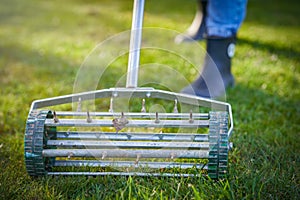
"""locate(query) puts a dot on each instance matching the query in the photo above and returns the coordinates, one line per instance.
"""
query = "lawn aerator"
(128, 143)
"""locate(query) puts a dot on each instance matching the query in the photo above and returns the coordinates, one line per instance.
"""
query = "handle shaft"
(135, 43)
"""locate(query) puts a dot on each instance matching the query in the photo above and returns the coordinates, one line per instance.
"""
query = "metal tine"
(104, 155)
(191, 120)
(175, 110)
(138, 156)
(161, 136)
(88, 117)
(143, 110)
(79, 105)
(111, 110)
(70, 155)
(156, 118)
(55, 119)
(172, 156)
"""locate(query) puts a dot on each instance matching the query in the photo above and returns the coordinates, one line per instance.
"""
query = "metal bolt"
(115, 94)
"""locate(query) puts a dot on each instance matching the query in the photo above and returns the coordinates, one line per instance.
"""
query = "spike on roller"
(143, 110)
(88, 117)
(55, 119)
(175, 110)
(79, 105)
(111, 105)
(191, 120)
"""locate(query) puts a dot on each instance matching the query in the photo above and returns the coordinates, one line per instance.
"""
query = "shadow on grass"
(273, 13)
(287, 52)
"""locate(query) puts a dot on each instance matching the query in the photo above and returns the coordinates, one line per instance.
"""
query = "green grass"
(43, 44)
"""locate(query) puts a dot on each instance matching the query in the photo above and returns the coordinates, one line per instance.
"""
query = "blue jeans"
(224, 17)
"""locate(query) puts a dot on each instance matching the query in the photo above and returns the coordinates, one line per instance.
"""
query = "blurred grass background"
(43, 44)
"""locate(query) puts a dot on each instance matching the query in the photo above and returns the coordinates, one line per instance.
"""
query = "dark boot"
(216, 74)
(197, 28)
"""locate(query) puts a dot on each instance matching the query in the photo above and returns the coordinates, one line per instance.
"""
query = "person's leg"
(223, 20)
(224, 17)
(197, 28)
(216, 72)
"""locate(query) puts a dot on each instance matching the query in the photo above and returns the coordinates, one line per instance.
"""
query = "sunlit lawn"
(44, 43)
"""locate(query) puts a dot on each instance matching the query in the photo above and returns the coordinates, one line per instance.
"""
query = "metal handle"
(135, 43)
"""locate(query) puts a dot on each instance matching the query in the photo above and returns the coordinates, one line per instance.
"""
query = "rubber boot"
(216, 75)
(197, 28)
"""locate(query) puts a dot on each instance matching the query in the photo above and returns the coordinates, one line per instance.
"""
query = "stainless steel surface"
(135, 43)
(125, 153)
(132, 136)
(105, 163)
(136, 115)
(131, 123)
(126, 144)
(122, 174)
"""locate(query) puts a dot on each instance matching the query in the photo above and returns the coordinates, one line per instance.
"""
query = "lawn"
(44, 43)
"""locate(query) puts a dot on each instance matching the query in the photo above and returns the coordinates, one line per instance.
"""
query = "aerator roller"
(139, 143)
